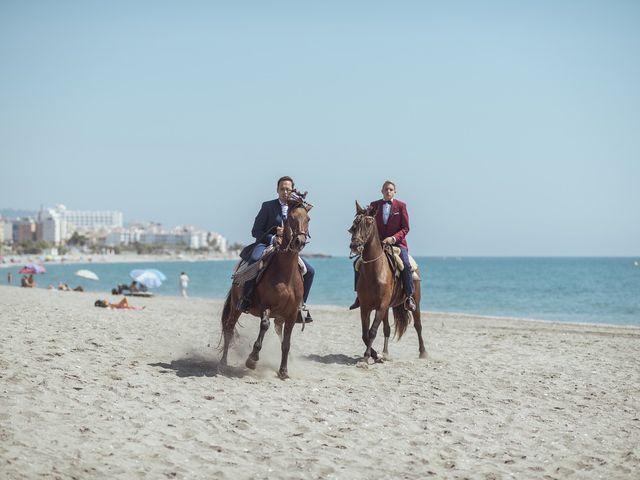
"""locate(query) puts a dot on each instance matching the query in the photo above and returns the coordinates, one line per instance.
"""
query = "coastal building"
(6, 231)
(105, 228)
(52, 227)
(24, 229)
(89, 219)
(57, 224)
(154, 234)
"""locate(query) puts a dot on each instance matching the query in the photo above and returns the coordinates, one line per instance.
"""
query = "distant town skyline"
(511, 129)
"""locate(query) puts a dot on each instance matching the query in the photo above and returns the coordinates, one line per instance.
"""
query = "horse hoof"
(386, 357)
(423, 355)
(362, 364)
(222, 369)
(282, 375)
(250, 363)
(379, 360)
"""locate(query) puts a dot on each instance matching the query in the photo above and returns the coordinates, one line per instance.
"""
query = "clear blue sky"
(511, 128)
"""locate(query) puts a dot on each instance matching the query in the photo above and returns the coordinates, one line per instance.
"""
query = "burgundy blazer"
(398, 224)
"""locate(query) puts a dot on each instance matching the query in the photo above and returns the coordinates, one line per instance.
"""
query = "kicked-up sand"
(87, 392)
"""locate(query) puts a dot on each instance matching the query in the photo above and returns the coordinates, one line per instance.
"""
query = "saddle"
(245, 271)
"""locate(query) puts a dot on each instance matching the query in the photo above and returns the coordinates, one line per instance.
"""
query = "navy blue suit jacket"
(264, 226)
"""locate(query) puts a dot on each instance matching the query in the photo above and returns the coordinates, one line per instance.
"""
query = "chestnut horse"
(278, 294)
(378, 288)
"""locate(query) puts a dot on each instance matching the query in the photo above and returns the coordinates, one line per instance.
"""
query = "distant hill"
(14, 213)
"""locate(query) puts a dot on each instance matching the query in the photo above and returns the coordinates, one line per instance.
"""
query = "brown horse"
(378, 288)
(278, 294)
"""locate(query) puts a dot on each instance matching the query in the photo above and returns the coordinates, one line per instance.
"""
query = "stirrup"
(410, 304)
(244, 305)
(306, 319)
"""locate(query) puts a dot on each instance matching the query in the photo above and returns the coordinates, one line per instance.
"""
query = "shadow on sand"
(337, 358)
(198, 367)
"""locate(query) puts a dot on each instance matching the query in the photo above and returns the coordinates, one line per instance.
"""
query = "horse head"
(363, 229)
(297, 225)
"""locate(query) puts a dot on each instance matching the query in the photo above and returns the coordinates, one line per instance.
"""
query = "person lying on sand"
(122, 304)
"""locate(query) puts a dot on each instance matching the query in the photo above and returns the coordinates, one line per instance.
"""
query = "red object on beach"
(32, 268)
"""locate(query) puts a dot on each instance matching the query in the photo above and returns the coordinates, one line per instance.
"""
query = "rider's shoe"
(410, 304)
(355, 305)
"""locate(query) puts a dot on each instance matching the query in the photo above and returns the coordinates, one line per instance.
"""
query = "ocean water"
(583, 290)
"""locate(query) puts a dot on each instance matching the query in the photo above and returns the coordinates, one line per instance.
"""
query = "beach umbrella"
(160, 275)
(32, 268)
(148, 278)
(87, 274)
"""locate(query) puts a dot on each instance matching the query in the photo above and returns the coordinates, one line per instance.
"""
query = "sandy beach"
(97, 393)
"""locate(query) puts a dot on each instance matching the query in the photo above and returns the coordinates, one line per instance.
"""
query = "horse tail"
(401, 317)
(226, 311)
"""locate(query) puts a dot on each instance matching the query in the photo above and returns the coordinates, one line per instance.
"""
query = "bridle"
(359, 237)
(299, 198)
(294, 234)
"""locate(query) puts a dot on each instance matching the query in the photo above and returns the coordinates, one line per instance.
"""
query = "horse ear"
(372, 210)
(359, 209)
(308, 207)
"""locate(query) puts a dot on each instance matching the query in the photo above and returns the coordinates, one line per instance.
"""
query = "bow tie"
(387, 201)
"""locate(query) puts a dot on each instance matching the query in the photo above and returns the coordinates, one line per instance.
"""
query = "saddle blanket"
(245, 271)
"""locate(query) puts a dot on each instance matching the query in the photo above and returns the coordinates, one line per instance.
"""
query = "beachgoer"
(122, 304)
(392, 220)
(9, 278)
(184, 283)
(268, 228)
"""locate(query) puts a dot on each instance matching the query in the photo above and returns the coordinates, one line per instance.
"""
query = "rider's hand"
(389, 240)
(279, 231)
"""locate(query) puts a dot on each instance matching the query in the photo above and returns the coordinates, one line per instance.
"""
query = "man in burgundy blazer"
(392, 220)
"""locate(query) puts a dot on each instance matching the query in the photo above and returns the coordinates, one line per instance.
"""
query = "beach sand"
(97, 393)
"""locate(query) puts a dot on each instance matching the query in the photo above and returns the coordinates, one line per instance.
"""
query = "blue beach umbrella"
(160, 275)
(148, 278)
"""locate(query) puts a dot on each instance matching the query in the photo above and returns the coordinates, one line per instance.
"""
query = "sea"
(577, 290)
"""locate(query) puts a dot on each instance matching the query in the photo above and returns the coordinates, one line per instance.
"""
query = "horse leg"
(254, 356)
(364, 320)
(386, 328)
(373, 331)
(229, 321)
(286, 345)
(278, 329)
(417, 323)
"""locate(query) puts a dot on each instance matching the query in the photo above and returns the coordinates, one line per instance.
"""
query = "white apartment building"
(58, 224)
(52, 226)
(90, 220)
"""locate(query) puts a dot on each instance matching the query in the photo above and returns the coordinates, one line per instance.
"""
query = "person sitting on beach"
(63, 287)
(268, 228)
(28, 282)
(122, 304)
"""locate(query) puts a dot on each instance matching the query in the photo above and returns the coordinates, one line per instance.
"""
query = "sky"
(510, 128)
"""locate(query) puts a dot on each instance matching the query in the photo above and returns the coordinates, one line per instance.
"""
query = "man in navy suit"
(392, 220)
(267, 227)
